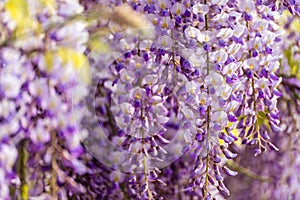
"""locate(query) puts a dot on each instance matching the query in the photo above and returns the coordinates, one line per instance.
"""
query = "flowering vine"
(145, 99)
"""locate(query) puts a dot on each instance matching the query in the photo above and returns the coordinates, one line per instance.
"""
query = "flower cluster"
(40, 117)
(210, 77)
(276, 171)
(293, 6)
(149, 99)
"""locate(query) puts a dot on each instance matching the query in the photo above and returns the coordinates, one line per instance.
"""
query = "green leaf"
(262, 119)
(294, 64)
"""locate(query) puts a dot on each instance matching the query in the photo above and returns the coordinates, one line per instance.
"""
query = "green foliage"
(294, 64)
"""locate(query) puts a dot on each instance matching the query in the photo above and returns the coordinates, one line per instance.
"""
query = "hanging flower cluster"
(143, 99)
(39, 116)
(276, 171)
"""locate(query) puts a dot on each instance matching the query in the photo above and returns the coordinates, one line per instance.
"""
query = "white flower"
(74, 141)
(116, 157)
(225, 33)
(11, 85)
(67, 73)
(162, 119)
(191, 87)
(70, 7)
(257, 44)
(266, 60)
(251, 63)
(138, 93)
(224, 91)
(197, 61)
(162, 4)
(247, 6)
(8, 155)
(204, 98)
(261, 25)
(55, 105)
(160, 109)
(116, 176)
(9, 128)
(29, 43)
(150, 79)
(204, 36)
(186, 52)
(118, 141)
(126, 77)
(158, 88)
(6, 107)
(155, 99)
(189, 115)
(233, 48)
(192, 32)
(10, 55)
(221, 18)
(232, 106)
(178, 8)
(200, 9)
(39, 88)
(219, 2)
(39, 134)
(214, 79)
(268, 37)
(165, 41)
(135, 147)
(73, 35)
(125, 45)
(219, 117)
(236, 15)
(262, 83)
(146, 45)
(127, 108)
(275, 66)
(176, 149)
(231, 68)
(219, 56)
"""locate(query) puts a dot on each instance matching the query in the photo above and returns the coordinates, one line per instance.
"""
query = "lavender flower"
(146, 99)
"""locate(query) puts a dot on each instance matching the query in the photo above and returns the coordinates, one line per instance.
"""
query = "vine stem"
(53, 184)
(207, 155)
(146, 174)
(22, 170)
(208, 119)
(254, 99)
(146, 178)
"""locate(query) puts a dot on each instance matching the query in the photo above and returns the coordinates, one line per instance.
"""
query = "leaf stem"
(236, 167)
